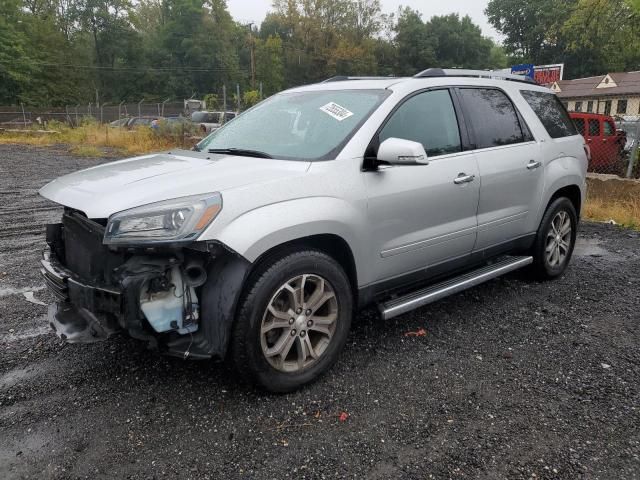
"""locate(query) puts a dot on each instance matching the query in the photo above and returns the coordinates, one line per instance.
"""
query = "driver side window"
(428, 118)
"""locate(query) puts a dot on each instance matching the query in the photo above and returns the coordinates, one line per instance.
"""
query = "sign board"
(541, 74)
(546, 74)
(526, 70)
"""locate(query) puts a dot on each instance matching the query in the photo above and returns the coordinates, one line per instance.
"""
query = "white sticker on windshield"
(336, 111)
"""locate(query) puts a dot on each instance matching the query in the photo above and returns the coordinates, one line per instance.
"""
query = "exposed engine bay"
(152, 293)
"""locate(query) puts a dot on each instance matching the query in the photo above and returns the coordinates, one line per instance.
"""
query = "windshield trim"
(332, 154)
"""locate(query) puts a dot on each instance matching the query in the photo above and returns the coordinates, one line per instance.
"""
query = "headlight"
(177, 220)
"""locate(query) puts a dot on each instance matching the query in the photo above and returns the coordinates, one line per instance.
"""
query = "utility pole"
(252, 52)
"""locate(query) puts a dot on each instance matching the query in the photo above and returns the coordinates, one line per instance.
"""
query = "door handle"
(532, 165)
(464, 178)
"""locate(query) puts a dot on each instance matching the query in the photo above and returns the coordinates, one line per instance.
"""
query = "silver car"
(262, 243)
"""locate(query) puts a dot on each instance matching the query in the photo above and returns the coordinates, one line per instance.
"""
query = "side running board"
(420, 298)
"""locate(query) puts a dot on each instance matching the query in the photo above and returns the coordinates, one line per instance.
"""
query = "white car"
(210, 121)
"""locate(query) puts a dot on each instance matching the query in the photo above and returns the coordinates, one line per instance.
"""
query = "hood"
(106, 189)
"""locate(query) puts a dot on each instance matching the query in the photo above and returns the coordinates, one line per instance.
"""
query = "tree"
(416, 44)
(459, 42)
(14, 70)
(270, 64)
(602, 35)
(531, 28)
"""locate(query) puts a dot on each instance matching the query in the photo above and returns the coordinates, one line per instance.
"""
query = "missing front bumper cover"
(79, 325)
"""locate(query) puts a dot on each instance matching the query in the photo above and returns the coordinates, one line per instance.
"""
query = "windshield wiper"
(241, 152)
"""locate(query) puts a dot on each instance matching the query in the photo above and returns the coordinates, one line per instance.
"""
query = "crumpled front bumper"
(72, 318)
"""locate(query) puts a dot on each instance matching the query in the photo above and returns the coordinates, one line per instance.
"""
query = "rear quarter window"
(551, 113)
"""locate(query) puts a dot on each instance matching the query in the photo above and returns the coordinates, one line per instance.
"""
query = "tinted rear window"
(551, 113)
(493, 117)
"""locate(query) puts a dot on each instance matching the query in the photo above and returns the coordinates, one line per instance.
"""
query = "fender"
(559, 173)
(256, 232)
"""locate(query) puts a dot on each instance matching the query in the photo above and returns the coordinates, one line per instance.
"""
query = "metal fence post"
(120, 110)
(634, 151)
(140, 103)
(260, 90)
(162, 114)
(77, 124)
(224, 98)
(238, 95)
(24, 117)
(101, 112)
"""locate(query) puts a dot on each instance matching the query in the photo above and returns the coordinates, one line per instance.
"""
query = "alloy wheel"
(299, 323)
(559, 239)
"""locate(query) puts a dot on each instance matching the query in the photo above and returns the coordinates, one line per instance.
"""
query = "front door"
(423, 215)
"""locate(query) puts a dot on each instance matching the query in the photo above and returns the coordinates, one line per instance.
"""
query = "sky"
(255, 10)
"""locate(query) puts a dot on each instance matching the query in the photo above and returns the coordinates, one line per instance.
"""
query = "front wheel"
(293, 321)
(555, 240)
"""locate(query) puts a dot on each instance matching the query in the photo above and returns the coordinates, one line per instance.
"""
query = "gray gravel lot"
(514, 379)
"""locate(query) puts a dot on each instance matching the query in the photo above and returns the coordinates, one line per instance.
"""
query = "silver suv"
(262, 243)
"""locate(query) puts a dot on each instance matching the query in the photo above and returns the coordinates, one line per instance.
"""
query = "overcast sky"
(255, 10)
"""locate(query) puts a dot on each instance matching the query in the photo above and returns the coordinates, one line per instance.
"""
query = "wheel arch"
(572, 192)
(329, 243)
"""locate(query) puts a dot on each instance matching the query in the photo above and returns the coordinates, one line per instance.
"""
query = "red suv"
(606, 143)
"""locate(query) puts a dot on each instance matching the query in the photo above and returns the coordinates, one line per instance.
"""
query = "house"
(615, 94)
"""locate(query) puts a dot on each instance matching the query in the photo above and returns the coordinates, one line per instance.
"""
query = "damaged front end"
(153, 293)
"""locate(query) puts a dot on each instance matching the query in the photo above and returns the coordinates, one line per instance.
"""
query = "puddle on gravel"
(592, 247)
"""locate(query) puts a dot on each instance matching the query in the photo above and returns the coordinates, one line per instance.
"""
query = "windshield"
(298, 126)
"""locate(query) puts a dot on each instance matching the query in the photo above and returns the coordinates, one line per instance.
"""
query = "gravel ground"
(513, 379)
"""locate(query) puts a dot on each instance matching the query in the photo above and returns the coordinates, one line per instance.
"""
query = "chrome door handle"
(464, 178)
(533, 165)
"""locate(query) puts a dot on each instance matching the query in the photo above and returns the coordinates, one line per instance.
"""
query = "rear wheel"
(293, 321)
(555, 239)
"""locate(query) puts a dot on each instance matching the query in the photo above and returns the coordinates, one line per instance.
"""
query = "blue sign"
(526, 70)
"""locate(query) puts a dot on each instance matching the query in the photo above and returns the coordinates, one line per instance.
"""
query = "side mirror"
(397, 151)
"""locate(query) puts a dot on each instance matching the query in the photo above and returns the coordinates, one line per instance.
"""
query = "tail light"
(587, 150)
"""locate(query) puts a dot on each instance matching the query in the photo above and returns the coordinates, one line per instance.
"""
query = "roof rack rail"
(344, 78)
(460, 72)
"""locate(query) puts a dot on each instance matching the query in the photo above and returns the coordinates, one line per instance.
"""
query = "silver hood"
(113, 187)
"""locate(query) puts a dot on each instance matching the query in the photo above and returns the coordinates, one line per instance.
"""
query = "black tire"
(246, 347)
(542, 267)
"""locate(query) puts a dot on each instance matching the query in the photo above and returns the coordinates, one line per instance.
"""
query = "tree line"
(56, 52)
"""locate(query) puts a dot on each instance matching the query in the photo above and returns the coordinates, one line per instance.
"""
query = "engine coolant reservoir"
(167, 310)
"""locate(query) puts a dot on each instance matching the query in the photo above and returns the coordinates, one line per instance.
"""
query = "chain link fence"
(613, 144)
(27, 116)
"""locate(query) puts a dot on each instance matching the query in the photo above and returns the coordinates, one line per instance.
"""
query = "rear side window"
(492, 117)
(580, 124)
(427, 118)
(551, 113)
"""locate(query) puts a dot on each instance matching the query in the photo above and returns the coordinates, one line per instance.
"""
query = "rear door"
(509, 162)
